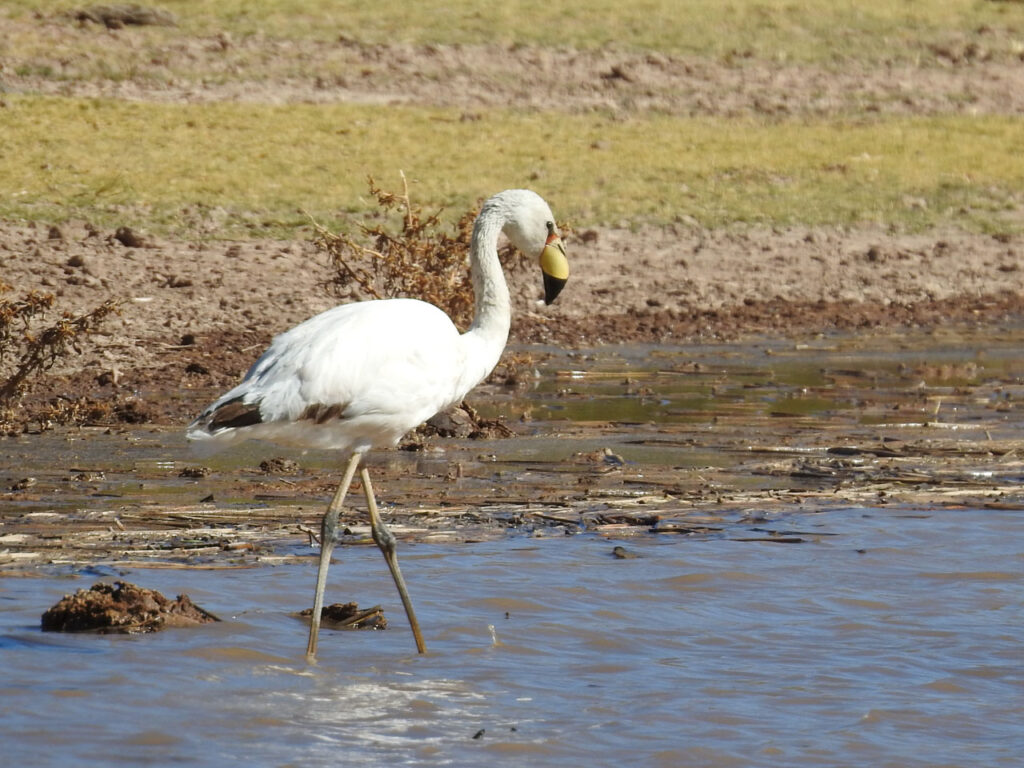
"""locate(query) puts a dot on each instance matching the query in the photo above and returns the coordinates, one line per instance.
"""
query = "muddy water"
(894, 641)
(811, 630)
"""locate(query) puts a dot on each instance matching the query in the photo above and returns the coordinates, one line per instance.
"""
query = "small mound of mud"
(348, 616)
(122, 608)
(279, 466)
(461, 422)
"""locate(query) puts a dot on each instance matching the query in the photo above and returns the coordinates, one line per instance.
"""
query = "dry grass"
(259, 167)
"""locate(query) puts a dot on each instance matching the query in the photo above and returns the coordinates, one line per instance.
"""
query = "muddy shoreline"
(196, 314)
(721, 440)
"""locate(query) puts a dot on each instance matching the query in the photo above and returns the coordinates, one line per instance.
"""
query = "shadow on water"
(821, 564)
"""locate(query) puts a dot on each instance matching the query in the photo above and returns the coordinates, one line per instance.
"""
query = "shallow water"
(889, 636)
(894, 641)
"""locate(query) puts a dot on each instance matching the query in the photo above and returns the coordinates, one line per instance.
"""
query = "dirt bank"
(195, 315)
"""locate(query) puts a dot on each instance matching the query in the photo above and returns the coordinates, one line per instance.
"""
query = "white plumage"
(361, 375)
(386, 364)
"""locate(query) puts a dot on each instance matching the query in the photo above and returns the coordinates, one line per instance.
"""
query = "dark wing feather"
(234, 414)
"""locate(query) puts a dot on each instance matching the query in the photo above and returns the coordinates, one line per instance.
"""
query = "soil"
(197, 314)
(122, 608)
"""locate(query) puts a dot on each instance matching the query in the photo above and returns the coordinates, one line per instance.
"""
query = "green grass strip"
(108, 160)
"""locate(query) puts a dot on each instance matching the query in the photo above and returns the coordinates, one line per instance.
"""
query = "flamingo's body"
(361, 375)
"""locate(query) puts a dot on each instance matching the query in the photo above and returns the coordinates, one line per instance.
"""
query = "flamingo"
(361, 375)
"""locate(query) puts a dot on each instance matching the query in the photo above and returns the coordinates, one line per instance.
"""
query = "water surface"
(893, 642)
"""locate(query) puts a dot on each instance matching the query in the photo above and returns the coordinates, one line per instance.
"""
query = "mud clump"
(280, 466)
(461, 422)
(348, 616)
(122, 608)
(130, 238)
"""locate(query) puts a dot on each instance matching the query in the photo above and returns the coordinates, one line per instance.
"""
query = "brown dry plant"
(421, 259)
(29, 345)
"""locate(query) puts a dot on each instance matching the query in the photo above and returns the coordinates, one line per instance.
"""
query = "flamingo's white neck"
(493, 313)
(485, 340)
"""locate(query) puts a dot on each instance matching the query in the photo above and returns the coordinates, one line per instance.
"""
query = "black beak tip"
(552, 287)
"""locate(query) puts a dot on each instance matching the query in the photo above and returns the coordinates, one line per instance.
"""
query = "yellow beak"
(555, 266)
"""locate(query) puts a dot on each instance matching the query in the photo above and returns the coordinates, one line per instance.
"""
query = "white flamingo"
(361, 375)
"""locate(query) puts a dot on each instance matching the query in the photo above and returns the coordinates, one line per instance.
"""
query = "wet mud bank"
(708, 441)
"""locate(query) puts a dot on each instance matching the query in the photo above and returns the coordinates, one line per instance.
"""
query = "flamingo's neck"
(485, 340)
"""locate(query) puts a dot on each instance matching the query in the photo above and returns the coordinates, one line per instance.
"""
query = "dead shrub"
(419, 258)
(31, 343)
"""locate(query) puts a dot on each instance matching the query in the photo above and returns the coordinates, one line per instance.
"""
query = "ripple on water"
(699, 652)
